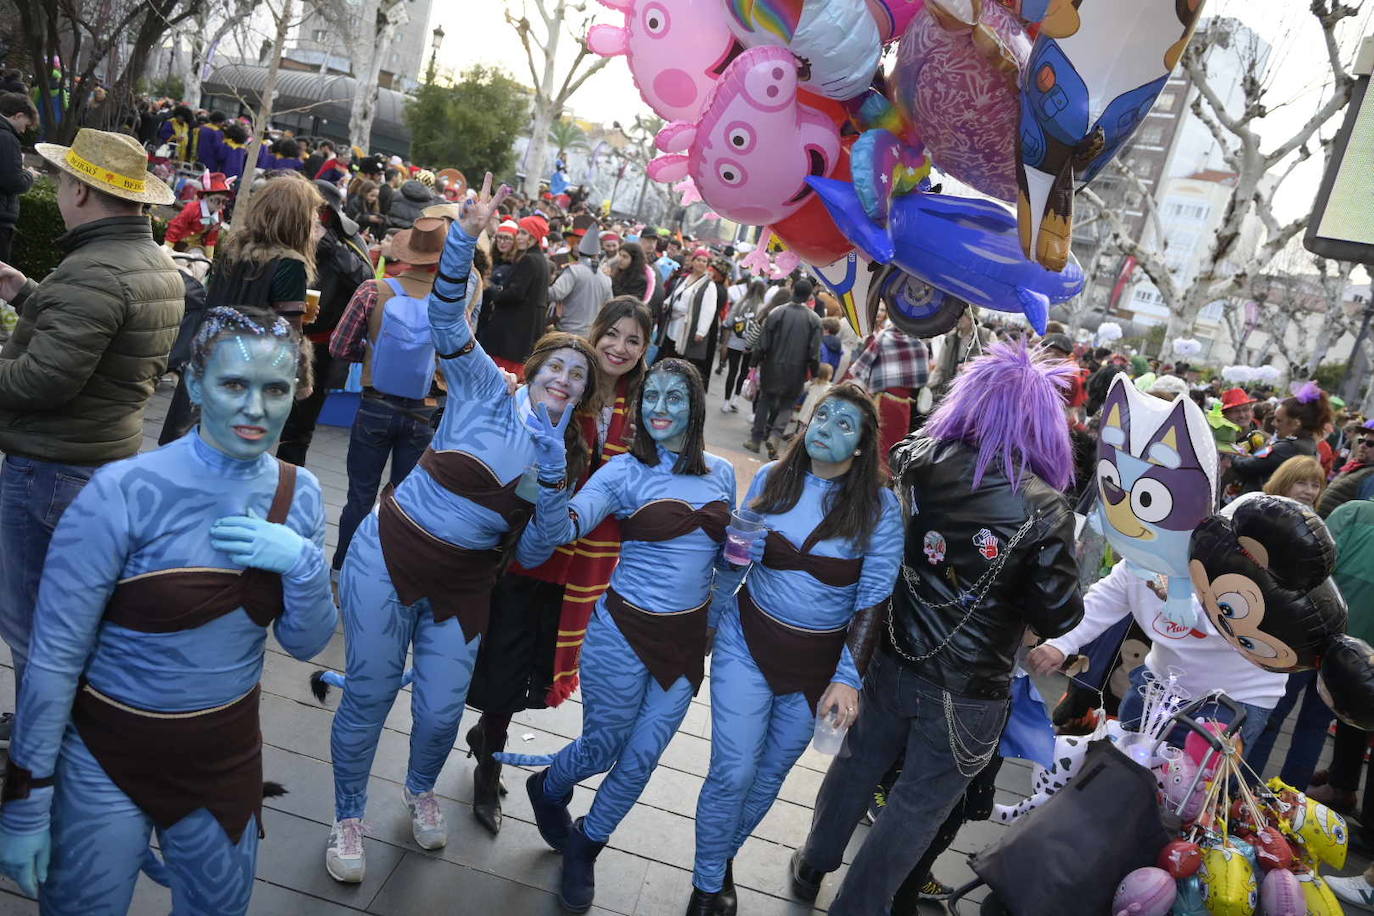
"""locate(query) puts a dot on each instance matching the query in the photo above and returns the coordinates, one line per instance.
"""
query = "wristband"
(464, 350)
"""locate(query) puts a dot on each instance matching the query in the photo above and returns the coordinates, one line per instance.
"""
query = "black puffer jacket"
(406, 207)
(954, 537)
(14, 178)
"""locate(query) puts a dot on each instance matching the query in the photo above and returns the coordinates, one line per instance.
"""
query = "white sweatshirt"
(1204, 660)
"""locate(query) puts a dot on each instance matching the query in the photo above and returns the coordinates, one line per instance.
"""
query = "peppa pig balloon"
(1092, 77)
(1195, 747)
(839, 40)
(955, 79)
(755, 144)
(1147, 891)
(1281, 894)
(1178, 775)
(676, 50)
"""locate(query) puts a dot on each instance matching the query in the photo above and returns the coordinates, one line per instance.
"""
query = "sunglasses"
(1367, 443)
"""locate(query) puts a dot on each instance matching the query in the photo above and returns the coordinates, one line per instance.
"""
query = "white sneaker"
(1354, 889)
(344, 859)
(725, 407)
(426, 820)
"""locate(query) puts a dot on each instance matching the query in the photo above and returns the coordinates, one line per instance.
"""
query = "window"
(319, 35)
(1167, 102)
(1144, 168)
(1152, 134)
(1181, 210)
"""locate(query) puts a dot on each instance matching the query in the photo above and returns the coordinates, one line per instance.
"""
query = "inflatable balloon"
(1317, 894)
(1147, 891)
(1322, 831)
(1189, 901)
(1180, 858)
(1263, 576)
(1177, 775)
(852, 279)
(964, 247)
(1281, 894)
(1157, 481)
(893, 16)
(1228, 882)
(1195, 747)
(1069, 753)
(1273, 850)
(955, 80)
(754, 145)
(838, 40)
(1346, 680)
(1093, 75)
(676, 50)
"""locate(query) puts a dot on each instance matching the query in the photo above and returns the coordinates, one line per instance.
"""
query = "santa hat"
(508, 226)
(535, 226)
(214, 183)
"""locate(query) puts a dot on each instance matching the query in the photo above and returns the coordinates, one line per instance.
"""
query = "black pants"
(1347, 755)
(305, 413)
(738, 363)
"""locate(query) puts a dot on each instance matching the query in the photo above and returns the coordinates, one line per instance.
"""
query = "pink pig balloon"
(893, 16)
(676, 49)
(756, 143)
(955, 79)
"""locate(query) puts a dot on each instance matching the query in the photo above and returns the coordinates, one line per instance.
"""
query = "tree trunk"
(537, 152)
(378, 30)
(264, 115)
(195, 61)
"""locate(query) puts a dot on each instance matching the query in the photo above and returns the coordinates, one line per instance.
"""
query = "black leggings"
(735, 374)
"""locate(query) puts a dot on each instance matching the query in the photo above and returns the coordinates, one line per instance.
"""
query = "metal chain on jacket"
(969, 598)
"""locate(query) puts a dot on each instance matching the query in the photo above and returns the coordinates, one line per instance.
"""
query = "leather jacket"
(956, 536)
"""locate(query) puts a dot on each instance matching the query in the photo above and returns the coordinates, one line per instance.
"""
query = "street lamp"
(435, 42)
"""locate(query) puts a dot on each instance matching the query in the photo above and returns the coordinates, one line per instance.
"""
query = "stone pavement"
(646, 870)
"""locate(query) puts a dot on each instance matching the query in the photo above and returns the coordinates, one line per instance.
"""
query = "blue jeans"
(1309, 732)
(387, 428)
(33, 496)
(1133, 704)
(899, 711)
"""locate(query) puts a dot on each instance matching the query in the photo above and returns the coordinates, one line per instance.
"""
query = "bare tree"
(1259, 173)
(366, 29)
(551, 93)
(203, 33)
(282, 18)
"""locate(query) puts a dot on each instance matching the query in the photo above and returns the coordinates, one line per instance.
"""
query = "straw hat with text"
(109, 162)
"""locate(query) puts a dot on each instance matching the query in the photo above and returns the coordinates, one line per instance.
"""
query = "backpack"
(403, 356)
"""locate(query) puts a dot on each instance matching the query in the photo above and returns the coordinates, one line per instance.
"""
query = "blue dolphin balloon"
(967, 248)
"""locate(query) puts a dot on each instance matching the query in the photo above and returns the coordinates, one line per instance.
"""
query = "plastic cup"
(743, 521)
(828, 737)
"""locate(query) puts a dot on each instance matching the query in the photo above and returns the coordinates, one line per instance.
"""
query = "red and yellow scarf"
(584, 567)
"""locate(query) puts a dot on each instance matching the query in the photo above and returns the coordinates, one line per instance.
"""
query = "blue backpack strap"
(396, 288)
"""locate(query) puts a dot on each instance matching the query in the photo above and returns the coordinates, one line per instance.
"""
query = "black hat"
(371, 165)
(334, 198)
(1058, 342)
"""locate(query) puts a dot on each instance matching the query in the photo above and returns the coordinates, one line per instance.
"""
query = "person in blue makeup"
(794, 642)
(419, 571)
(139, 708)
(644, 656)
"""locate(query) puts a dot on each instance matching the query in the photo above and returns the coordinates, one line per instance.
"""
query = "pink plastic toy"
(676, 50)
(1147, 891)
(1281, 894)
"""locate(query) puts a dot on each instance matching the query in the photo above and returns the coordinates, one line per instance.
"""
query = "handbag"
(751, 385)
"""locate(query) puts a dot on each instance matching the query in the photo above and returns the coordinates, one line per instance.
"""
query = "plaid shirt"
(349, 340)
(892, 360)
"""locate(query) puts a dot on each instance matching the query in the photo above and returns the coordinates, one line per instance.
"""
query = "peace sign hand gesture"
(549, 445)
(476, 212)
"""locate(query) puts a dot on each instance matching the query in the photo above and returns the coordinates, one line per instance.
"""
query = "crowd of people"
(536, 377)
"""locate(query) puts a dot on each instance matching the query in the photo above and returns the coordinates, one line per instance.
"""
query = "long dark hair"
(853, 508)
(691, 460)
(632, 277)
(579, 452)
(614, 310)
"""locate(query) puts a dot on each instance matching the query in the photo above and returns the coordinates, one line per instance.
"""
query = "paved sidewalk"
(646, 870)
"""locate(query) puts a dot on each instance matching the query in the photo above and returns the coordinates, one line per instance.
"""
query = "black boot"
(550, 815)
(578, 887)
(703, 903)
(806, 881)
(486, 780)
(727, 902)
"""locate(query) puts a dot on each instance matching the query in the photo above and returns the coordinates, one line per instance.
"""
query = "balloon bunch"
(1262, 571)
(781, 117)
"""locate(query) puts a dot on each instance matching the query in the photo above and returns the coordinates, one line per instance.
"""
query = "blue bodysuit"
(629, 715)
(756, 734)
(484, 427)
(144, 516)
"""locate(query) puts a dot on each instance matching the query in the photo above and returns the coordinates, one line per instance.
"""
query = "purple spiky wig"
(1009, 404)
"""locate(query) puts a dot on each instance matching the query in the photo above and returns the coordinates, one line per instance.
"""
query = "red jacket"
(189, 227)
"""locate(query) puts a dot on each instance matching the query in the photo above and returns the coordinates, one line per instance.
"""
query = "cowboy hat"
(443, 211)
(421, 244)
(109, 162)
(1235, 397)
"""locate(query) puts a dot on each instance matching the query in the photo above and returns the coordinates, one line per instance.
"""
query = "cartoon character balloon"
(838, 40)
(1147, 891)
(1262, 572)
(676, 49)
(955, 79)
(754, 145)
(1157, 481)
(1093, 75)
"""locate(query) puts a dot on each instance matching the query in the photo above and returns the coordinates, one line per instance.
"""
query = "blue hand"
(755, 539)
(255, 542)
(24, 858)
(550, 448)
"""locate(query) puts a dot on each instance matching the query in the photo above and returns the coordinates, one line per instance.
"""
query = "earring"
(857, 453)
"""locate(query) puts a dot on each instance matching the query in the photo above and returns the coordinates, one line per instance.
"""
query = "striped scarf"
(584, 567)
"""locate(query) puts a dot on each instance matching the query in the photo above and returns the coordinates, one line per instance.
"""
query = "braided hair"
(248, 321)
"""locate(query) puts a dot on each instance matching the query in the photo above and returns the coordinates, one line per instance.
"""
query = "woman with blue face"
(794, 642)
(643, 658)
(420, 570)
(140, 701)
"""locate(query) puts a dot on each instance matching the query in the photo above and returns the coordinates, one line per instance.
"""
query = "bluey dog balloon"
(1157, 481)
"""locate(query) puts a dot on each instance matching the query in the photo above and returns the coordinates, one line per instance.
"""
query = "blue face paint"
(560, 382)
(834, 431)
(245, 394)
(666, 409)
